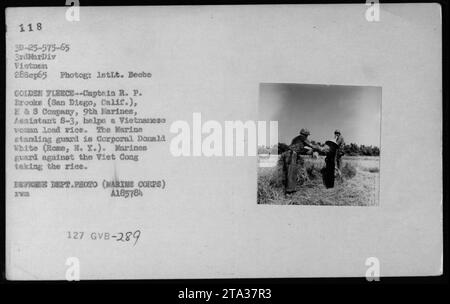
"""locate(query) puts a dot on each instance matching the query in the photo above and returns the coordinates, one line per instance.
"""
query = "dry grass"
(358, 185)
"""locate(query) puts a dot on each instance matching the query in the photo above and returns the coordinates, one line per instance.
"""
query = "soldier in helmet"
(302, 144)
(292, 161)
(339, 139)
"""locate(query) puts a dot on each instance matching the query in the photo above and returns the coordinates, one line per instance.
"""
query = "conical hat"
(332, 143)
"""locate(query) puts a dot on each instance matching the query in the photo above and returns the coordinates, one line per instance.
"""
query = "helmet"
(337, 132)
(305, 132)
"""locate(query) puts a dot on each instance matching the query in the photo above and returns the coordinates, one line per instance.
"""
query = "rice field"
(358, 185)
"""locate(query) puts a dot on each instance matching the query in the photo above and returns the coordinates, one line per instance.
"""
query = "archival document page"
(256, 141)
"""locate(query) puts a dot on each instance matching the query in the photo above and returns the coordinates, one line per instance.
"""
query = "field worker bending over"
(292, 161)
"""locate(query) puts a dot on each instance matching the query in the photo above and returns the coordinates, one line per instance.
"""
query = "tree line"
(351, 149)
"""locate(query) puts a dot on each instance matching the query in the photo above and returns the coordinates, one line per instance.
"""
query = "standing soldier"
(340, 150)
(292, 160)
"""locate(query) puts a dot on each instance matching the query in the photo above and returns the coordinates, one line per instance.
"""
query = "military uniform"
(293, 162)
(300, 142)
(340, 151)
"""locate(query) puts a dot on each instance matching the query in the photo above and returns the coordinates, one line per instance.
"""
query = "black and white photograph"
(329, 145)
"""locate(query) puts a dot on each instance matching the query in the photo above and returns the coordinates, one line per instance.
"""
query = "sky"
(354, 110)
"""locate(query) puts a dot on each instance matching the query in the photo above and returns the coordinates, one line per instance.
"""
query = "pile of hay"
(270, 180)
(348, 170)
